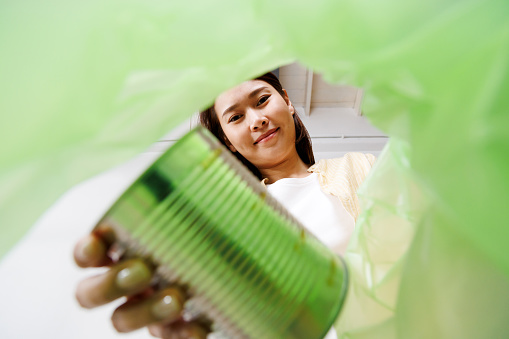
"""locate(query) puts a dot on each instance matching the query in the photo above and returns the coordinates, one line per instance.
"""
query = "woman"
(257, 122)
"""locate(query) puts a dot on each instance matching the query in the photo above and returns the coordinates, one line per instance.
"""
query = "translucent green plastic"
(85, 86)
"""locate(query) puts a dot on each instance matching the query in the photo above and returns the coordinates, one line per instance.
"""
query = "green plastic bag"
(85, 86)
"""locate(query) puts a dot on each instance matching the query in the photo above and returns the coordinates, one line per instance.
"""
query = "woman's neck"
(289, 168)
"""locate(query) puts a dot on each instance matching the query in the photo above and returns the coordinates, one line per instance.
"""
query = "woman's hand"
(146, 306)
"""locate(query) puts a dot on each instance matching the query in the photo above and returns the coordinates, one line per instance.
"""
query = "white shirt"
(322, 214)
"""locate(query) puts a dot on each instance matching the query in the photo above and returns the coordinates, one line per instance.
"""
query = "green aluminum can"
(207, 223)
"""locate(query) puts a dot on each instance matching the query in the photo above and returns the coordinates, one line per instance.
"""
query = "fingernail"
(134, 276)
(166, 308)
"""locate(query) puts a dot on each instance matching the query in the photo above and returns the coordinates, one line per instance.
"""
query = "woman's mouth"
(266, 136)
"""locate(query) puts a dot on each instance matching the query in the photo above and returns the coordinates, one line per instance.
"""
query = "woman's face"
(258, 123)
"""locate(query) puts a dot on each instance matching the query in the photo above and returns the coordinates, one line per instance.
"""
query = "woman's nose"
(258, 121)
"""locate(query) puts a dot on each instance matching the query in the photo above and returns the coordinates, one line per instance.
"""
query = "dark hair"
(208, 119)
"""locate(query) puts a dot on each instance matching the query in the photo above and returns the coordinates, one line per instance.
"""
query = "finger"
(105, 231)
(91, 251)
(156, 330)
(164, 307)
(126, 278)
(183, 330)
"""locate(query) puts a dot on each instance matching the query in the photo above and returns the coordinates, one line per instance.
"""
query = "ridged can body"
(208, 224)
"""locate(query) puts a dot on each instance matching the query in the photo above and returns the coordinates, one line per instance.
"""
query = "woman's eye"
(263, 99)
(234, 118)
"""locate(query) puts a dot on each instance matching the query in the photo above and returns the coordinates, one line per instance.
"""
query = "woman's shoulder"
(343, 176)
(351, 161)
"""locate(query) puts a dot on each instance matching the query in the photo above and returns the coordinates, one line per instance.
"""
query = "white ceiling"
(308, 91)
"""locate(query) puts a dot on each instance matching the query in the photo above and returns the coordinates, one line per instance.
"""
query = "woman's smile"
(266, 136)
